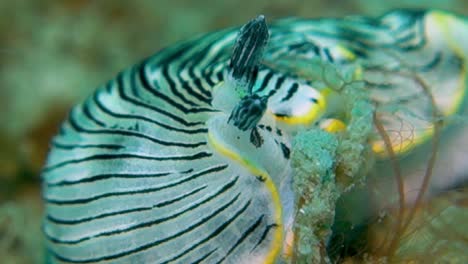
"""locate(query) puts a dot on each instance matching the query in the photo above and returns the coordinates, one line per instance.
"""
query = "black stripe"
(123, 212)
(100, 177)
(162, 220)
(221, 58)
(304, 47)
(359, 52)
(204, 257)
(207, 77)
(220, 76)
(141, 191)
(143, 118)
(417, 33)
(153, 89)
(101, 157)
(214, 234)
(207, 93)
(264, 235)
(157, 242)
(173, 88)
(374, 85)
(186, 85)
(291, 91)
(180, 197)
(266, 80)
(279, 81)
(328, 55)
(224, 52)
(286, 115)
(177, 53)
(183, 63)
(195, 62)
(355, 30)
(59, 145)
(244, 236)
(107, 176)
(88, 114)
(404, 38)
(431, 64)
(109, 132)
(286, 151)
(125, 97)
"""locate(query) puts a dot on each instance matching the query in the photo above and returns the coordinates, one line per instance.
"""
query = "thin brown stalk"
(433, 157)
(399, 179)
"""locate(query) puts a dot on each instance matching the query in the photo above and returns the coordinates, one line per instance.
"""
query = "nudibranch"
(185, 157)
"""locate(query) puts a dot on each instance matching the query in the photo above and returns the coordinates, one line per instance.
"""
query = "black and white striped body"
(149, 170)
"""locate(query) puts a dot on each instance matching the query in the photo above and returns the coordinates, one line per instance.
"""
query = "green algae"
(327, 165)
(313, 160)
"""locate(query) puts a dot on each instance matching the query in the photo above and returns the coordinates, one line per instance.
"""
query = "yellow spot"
(332, 125)
(326, 92)
(346, 53)
(358, 73)
(277, 242)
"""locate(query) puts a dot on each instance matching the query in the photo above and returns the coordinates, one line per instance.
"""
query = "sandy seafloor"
(54, 53)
